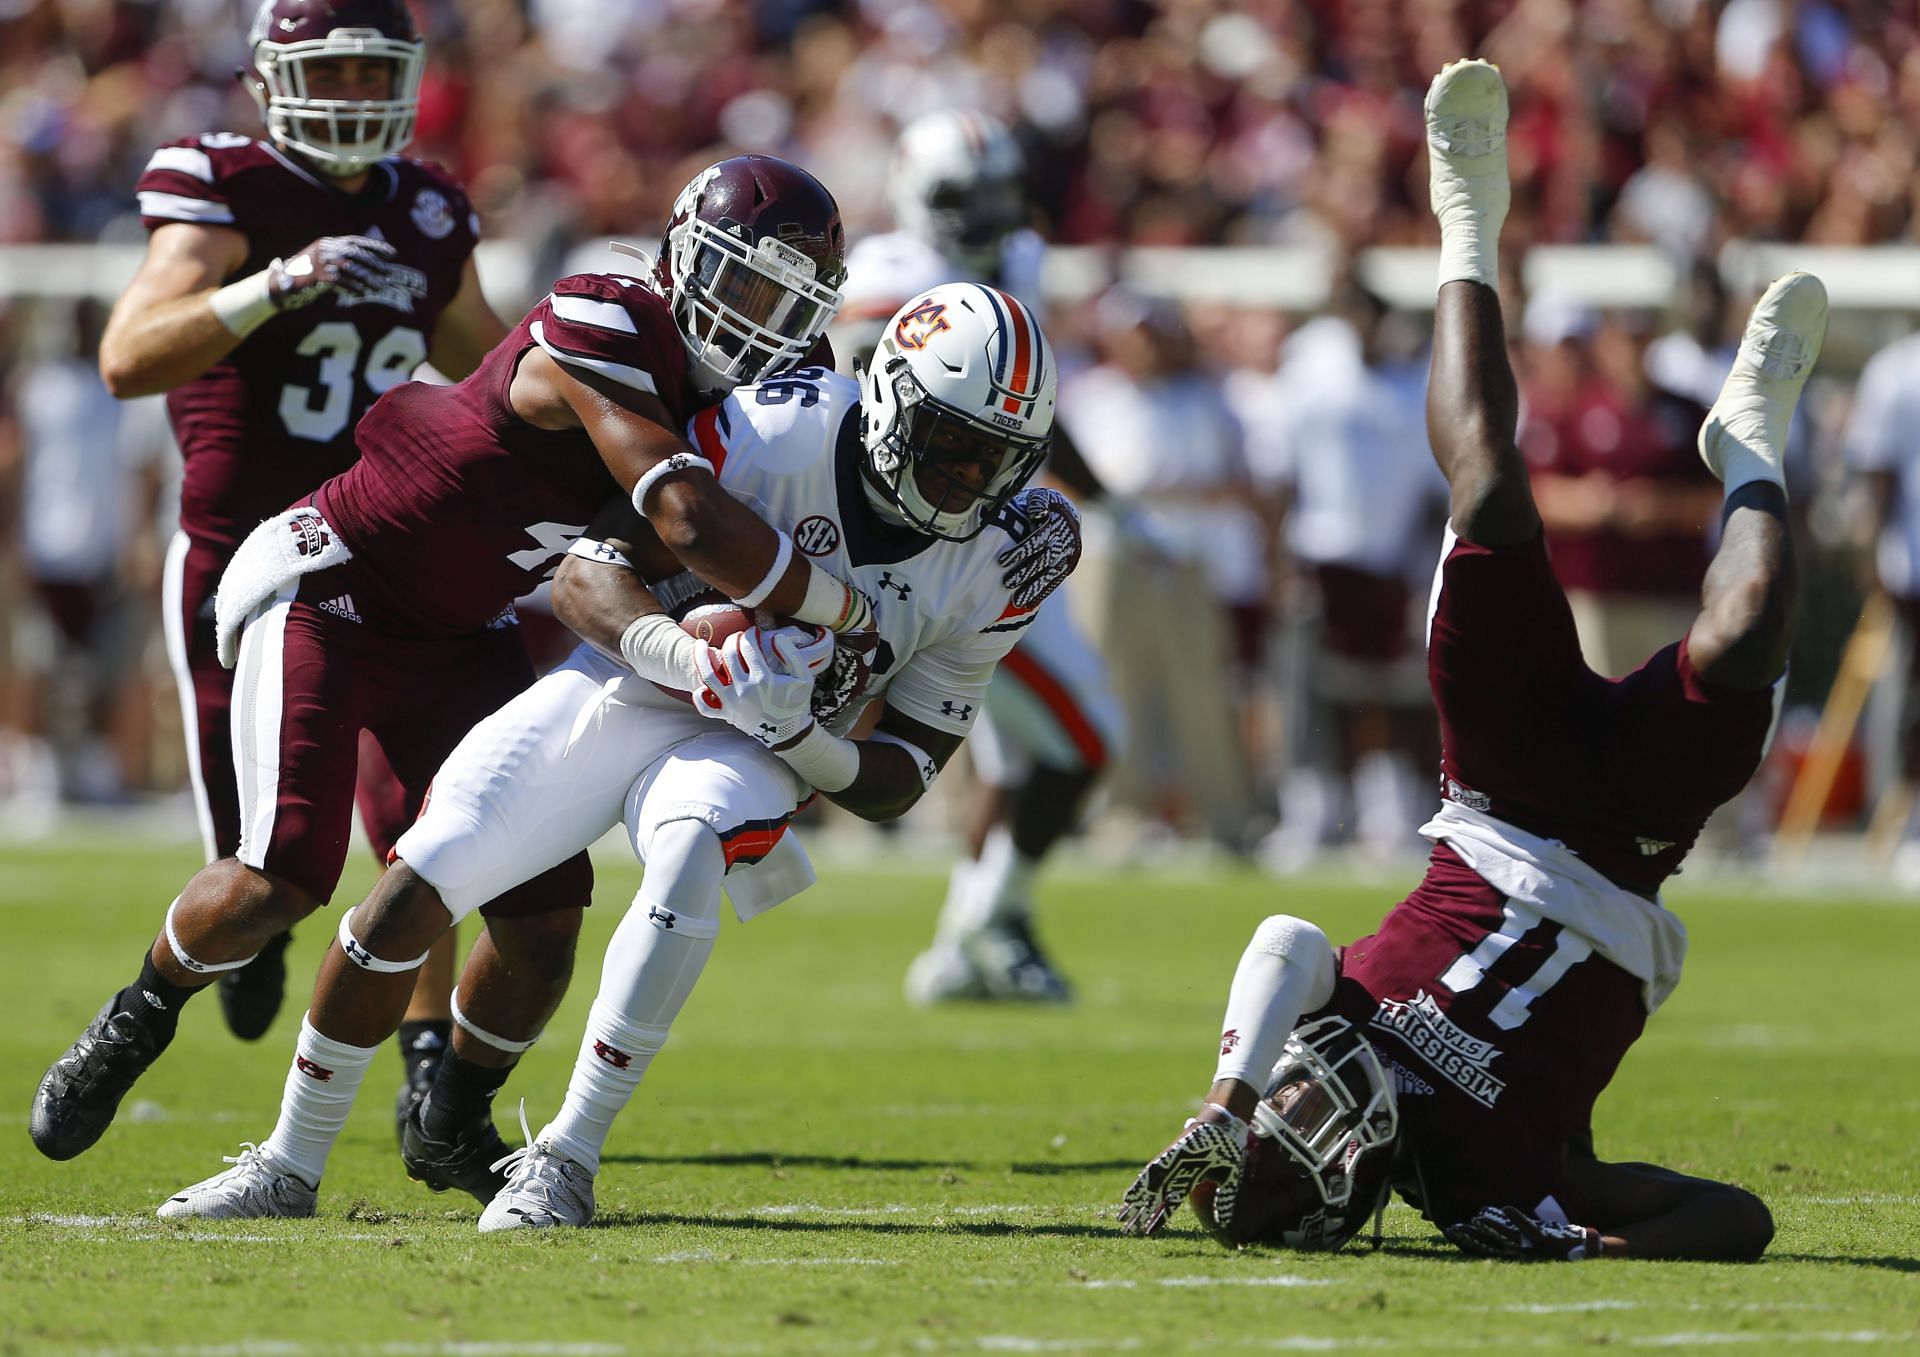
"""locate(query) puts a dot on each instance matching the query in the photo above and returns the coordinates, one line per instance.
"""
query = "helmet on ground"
(957, 409)
(956, 183)
(751, 263)
(1320, 1158)
(338, 136)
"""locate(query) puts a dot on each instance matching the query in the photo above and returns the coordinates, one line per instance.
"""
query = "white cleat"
(255, 1188)
(1780, 346)
(1467, 148)
(941, 974)
(544, 1189)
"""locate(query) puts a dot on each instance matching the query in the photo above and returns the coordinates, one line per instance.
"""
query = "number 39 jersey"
(275, 418)
(790, 448)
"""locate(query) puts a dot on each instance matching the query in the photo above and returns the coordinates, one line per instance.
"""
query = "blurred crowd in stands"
(1274, 469)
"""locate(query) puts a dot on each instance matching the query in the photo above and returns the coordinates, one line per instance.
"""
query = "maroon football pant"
(311, 680)
(1502, 1028)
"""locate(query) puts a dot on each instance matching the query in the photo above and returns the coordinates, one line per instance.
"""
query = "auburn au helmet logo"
(921, 324)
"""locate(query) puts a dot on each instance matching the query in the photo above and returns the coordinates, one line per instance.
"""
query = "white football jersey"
(789, 448)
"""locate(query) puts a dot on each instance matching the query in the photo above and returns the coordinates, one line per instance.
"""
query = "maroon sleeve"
(619, 329)
(186, 181)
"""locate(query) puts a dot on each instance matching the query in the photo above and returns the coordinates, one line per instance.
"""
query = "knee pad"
(685, 866)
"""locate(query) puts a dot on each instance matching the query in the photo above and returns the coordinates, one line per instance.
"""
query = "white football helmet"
(340, 136)
(956, 184)
(962, 377)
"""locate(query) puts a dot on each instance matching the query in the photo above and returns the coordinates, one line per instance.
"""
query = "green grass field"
(814, 1167)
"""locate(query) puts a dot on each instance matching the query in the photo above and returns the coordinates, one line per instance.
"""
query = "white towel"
(275, 554)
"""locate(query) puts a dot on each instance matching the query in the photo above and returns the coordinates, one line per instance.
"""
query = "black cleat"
(423, 1067)
(250, 997)
(76, 1100)
(470, 1163)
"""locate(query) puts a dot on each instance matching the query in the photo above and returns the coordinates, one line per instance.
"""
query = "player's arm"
(712, 534)
(175, 320)
(467, 330)
(163, 331)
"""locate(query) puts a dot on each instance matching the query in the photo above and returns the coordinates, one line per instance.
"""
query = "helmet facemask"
(341, 137)
(926, 441)
(746, 308)
(968, 221)
(1321, 1154)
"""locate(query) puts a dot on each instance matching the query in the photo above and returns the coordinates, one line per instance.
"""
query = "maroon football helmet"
(751, 263)
(339, 136)
(1320, 1157)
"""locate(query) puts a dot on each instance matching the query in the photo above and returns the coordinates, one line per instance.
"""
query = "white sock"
(652, 965)
(319, 1093)
(954, 910)
(1000, 885)
(1287, 970)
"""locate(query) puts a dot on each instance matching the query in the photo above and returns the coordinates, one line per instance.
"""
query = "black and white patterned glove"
(354, 266)
(1210, 1148)
(1516, 1236)
(1041, 560)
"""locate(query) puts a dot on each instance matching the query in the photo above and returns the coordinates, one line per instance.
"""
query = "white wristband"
(680, 461)
(922, 762)
(828, 762)
(833, 603)
(655, 648)
(245, 306)
(782, 556)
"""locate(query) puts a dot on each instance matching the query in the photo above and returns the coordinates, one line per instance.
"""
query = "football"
(712, 619)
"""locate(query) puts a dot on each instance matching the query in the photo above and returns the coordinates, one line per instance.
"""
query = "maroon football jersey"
(1499, 1029)
(275, 418)
(457, 506)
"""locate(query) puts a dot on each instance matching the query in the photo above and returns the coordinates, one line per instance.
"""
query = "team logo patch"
(1466, 796)
(310, 535)
(1440, 1044)
(921, 324)
(432, 214)
(817, 535)
(311, 1070)
(224, 141)
(613, 1055)
(1228, 1040)
(1652, 848)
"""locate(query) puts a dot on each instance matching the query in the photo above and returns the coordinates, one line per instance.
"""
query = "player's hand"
(765, 696)
(354, 266)
(1039, 562)
(1210, 1148)
(1516, 1236)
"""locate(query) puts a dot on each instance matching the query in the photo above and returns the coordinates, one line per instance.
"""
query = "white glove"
(761, 682)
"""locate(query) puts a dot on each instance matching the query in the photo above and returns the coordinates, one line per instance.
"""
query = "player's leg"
(1645, 1211)
(1745, 627)
(508, 803)
(250, 995)
(387, 808)
(1472, 401)
(294, 719)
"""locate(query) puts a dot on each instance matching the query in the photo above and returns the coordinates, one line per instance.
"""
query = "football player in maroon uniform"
(382, 602)
(1455, 1055)
(288, 283)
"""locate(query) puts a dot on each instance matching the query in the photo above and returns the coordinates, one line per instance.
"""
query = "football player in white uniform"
(1052, 722)
(911, 486)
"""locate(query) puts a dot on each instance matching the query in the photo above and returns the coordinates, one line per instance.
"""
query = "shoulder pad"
(615, 326)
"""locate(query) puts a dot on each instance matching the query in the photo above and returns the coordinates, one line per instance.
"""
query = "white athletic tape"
(358, 954)
(197, 967)
(482, 1035)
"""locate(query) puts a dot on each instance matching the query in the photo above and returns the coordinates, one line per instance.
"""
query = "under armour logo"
(613, 1055)
(902, 588)
(661, 918)
(961, 712)
(768, 730)
(356, 951)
